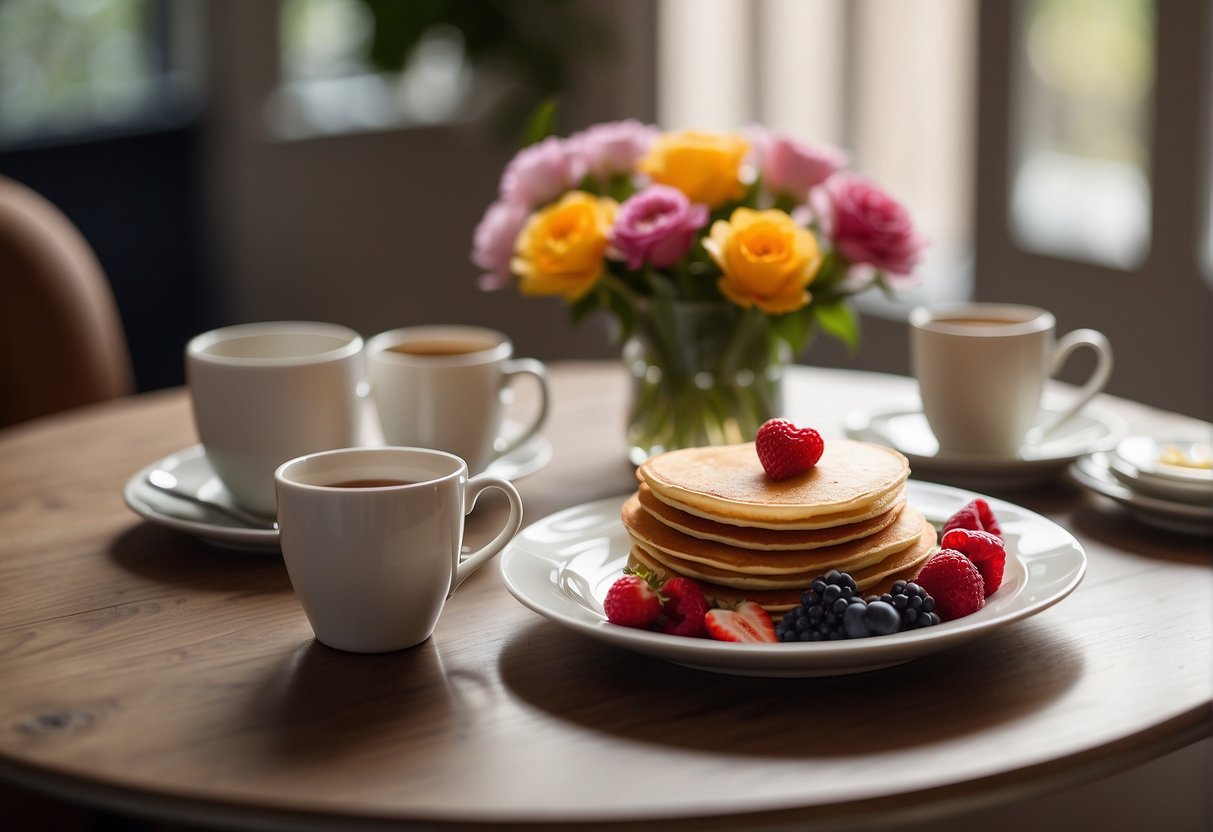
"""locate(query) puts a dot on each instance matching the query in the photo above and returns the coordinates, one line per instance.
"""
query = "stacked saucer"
(1166, 482)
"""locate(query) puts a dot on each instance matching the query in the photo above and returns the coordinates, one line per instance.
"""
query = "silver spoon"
(167, 482)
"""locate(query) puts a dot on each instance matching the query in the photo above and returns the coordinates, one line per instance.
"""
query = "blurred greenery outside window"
(1081, 184)
(83, 67)
(355, 65)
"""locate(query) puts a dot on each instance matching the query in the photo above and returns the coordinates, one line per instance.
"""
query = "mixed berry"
(967, 568)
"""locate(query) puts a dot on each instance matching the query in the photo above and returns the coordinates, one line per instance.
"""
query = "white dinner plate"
(195, 475)
(1095, 473)
(562, 566)
(902, 426)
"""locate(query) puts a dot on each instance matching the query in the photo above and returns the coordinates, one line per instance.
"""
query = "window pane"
(73, 65)
(1081, 185)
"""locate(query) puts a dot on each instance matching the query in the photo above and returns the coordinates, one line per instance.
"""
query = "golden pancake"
(877, 580)
(728, 484)
(903, 531)
(756, 537)
(857, 562)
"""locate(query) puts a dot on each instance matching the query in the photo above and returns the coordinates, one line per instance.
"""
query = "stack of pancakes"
(713, 515)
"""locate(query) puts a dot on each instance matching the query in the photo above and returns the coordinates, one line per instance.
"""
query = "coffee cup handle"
(483, 555)
(1103, 370)
(532, 367)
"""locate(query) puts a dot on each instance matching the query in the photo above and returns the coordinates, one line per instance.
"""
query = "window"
(1085, 84)
(87, 66)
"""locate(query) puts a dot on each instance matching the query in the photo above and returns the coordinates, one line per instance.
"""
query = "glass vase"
(703, 373)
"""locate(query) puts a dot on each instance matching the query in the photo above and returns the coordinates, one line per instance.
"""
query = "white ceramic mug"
(445, 387)
(264, 393)
(371, 538)
(982, 369)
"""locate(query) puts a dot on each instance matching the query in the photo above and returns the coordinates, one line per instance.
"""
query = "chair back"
(62, 344)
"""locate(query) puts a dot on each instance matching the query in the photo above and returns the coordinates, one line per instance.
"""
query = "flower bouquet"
(718, 253)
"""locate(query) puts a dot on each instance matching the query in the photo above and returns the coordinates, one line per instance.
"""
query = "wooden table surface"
(145, 670)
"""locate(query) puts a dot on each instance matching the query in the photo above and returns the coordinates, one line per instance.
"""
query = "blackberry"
(819, 617)
(915, 606)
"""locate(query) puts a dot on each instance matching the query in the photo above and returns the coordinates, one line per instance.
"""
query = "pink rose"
(540, 173)
(493, 242)
(866, 225)
(613, 148)
(656, 226)
(791, 167)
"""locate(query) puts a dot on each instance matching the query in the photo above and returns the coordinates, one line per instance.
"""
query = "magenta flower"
(866, 225)
(613, 148)
(493, 242)
(656, 226)
(791, 167)
(540, 173)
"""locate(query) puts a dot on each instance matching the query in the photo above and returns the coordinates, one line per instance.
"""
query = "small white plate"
(1143, 455)
(902, 426)
(195, 475)
(562, 566)
(1187, 518)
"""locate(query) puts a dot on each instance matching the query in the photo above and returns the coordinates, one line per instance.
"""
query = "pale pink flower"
(656, 226)
(790, 167)
(541, 172)
(493, 242)
(866, 225)
(613, 148)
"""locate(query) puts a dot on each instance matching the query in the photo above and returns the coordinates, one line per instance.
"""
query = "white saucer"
(562, 566)
(1094, 473)
(902, 426)
(195, 475)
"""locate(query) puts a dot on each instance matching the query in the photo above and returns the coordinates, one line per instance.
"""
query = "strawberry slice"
(748, 622)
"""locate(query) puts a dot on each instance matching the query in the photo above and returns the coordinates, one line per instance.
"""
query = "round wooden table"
(145, 671)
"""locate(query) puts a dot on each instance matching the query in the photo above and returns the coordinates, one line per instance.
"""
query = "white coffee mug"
(371, 538)
(445, 387)
(982, 369)
(264, 393)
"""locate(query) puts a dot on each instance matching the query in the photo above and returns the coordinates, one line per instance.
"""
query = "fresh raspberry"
(955, 584)
(977, 516)
(984, 549)
(748, 622)
(632, 601)
(786, 450)
(684, 608)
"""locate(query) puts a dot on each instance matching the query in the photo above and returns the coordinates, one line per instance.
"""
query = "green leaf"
(837, 320)
(795, 328)
(584, 306)
(541, 123)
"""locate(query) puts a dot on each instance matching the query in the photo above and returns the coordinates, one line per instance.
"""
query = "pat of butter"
(1198, 458)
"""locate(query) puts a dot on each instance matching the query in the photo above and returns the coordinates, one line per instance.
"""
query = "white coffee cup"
(982, 369)
(445, 387)
(264, 393)
(371, 538)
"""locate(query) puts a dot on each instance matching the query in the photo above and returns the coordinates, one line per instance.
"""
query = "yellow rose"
(560, 249)
(767, 259)
(704, 166)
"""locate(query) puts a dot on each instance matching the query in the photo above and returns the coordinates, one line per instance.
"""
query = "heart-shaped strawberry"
(786, 450)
